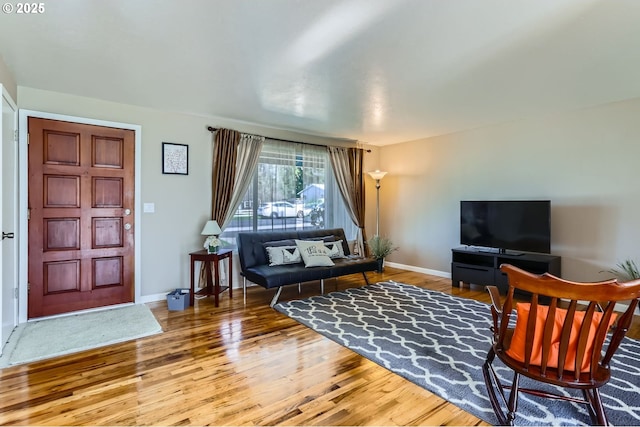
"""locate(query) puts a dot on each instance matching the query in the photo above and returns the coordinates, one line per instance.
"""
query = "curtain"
(248, 154)
(347, 168)
(225, 153)
(235, 157)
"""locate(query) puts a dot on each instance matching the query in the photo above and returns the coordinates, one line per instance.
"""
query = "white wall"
(585, 162)
(8, 81)
(182, 203)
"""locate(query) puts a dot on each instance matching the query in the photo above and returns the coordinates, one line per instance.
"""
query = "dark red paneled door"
(81, 204)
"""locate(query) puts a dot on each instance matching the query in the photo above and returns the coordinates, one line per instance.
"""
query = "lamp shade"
(211, 228)
(377, 174)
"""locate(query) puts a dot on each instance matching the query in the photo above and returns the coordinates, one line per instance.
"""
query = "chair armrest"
(494, 293)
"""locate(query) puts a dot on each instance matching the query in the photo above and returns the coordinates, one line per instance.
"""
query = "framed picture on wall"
(175, 159)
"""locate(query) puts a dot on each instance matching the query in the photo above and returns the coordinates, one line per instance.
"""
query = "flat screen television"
(516, 225)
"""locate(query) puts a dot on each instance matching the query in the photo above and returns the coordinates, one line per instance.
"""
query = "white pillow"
(314, 253)
(281, 255)
(335, 249)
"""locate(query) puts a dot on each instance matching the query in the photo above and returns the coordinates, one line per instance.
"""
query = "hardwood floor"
(232, 365)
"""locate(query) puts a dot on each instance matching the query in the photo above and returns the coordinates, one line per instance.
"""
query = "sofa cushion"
(314, 253)
(272, 277)
(251, 249)
(274, 243)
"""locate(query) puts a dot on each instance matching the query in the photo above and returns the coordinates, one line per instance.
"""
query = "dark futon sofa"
(262, 260)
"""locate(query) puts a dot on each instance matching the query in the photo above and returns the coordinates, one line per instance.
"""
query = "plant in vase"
(626, 270)
(212, 244)
(380, 247)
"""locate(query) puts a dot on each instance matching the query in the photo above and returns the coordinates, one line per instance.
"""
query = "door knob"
(127, 226)
(7, 235)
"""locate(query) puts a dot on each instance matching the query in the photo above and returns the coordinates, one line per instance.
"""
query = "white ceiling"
(379, 71)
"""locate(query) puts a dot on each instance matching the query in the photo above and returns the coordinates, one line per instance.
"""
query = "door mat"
(43, 339)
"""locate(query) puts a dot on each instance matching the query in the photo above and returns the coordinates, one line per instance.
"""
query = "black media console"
(482, 266)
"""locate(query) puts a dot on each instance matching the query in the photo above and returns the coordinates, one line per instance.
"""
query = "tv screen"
(518, 225)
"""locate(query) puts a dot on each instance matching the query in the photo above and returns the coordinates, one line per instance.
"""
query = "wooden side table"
(213, 287)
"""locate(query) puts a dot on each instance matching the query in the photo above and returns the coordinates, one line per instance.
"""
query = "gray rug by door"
(52, 337)
(440, 342)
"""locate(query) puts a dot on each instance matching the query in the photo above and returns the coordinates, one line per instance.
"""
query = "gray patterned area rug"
(440, 342)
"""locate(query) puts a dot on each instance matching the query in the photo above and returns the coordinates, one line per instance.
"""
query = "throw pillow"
(335, 249)
(517, 348)
(282, 255)
(314, 253)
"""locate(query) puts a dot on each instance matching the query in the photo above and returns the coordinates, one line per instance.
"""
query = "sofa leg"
(275, 297)
(322, 286)
(365, 277)
(299, 287)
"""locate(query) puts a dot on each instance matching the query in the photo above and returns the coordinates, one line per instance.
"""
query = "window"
(293, 188)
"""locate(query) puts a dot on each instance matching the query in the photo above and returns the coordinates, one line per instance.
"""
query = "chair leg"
(590, 407)
(322, 286)
(513, 399)
(366, 280)
(244, 289)
(594, 404)
(275, 297)
(492, 382)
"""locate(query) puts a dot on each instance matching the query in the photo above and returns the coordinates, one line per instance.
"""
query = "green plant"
(626, 270)
(380, 246)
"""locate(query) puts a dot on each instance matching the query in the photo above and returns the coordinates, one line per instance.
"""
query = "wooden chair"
(568, 354)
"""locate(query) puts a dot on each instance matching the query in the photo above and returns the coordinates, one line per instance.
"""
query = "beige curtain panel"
(225, 152)
(248, 154)
(347, 168)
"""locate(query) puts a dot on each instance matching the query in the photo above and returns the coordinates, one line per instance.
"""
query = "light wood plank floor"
(232, 365)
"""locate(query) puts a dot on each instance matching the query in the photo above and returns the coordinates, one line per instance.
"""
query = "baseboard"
(156, 297)
(153, 298)
(419, 269)
(163, 296)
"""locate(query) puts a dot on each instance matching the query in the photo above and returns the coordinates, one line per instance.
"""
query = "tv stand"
(471, 265)
(484, 250)
(507, 252)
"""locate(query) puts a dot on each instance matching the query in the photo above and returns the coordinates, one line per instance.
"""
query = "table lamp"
(212, 230)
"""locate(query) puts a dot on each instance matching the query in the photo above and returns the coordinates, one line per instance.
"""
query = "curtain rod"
(212, 129)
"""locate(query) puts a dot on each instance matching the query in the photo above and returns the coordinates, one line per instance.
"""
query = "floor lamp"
(377, 175)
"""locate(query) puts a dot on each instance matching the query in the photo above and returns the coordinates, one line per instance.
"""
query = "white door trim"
(24, 197)
(13, 312)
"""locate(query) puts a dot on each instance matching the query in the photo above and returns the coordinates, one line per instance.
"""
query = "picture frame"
(175, 159)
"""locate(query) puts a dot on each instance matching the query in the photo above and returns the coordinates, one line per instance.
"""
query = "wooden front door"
(81, 211)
